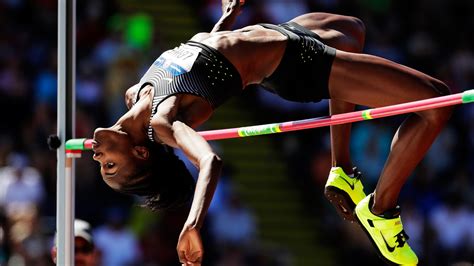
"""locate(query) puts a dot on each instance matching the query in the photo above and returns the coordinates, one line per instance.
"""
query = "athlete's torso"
(254, 51)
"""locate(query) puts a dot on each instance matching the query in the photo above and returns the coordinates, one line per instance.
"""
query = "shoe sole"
(341, 201)
(379, 253)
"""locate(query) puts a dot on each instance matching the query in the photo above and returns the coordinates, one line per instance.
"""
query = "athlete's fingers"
(182, 257)
(195, 257)
(186, 263)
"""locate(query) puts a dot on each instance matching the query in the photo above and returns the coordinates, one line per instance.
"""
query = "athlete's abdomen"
(254, 51)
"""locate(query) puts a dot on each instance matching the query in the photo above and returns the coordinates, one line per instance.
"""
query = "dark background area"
(268, 180)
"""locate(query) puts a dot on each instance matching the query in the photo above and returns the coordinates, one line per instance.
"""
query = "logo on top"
(178, 61)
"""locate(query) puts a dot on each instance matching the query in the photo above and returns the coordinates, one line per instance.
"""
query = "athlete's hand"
(232, 6)
(230, 10)
(190, 249)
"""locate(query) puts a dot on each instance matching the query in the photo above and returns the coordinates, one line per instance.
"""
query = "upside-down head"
(151, 170)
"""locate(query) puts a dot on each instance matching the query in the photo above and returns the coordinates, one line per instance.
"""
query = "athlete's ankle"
(347, 168)
(387, 212)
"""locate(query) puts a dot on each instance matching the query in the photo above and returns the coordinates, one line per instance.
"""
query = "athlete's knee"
(444, 113)
(439, 116)
(358, 31)
(353, 30)
(359, 26)
(441, 87)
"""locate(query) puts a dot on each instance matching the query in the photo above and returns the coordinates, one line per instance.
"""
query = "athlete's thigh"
(373, 81)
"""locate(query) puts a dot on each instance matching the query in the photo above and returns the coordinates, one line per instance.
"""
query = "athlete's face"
(117, 156)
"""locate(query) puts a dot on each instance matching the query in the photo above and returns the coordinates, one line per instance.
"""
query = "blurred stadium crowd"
(115, 47)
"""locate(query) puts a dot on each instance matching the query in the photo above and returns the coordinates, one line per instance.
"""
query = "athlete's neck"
(135, 122)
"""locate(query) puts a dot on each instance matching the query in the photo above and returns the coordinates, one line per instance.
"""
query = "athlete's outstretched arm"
(230, 10)
(178, 134)
(198, 150)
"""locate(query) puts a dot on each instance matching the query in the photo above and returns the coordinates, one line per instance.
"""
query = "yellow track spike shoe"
(386, 233)
(344, 192)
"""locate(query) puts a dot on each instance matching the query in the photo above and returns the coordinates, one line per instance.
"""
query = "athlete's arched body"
(303, 60)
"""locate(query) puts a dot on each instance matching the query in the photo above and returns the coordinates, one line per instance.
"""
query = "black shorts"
(303, 73)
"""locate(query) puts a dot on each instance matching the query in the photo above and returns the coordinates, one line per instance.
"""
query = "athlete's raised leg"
(373, 81)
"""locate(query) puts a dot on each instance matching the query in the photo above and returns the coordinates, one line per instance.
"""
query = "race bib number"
(178, 61)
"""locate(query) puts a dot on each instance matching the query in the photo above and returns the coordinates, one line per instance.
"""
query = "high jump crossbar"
(75, 146)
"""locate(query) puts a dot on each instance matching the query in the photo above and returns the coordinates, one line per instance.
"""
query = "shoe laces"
(402, 238)
(357, 173)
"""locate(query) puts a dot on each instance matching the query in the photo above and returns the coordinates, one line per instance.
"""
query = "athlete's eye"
(109, 165)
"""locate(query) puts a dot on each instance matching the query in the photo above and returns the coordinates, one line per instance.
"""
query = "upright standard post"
(66, 127)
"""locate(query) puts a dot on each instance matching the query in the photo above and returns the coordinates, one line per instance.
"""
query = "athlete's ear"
(141, 152)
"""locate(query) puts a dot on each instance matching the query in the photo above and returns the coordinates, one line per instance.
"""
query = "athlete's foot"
(386, 233)
(344, 192)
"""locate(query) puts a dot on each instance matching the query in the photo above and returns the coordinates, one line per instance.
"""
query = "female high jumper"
(314, 56)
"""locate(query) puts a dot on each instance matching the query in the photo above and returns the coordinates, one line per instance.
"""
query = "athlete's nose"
(97, 156)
